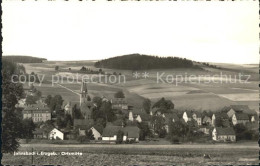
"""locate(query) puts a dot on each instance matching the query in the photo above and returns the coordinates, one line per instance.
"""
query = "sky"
(222, 32)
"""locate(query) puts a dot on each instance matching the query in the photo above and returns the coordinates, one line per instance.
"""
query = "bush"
(82, 139)
(175, 140)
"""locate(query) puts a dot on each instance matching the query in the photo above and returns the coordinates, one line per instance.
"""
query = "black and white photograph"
(130, 83)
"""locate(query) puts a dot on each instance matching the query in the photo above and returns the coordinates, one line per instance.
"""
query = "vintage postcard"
(130, 82)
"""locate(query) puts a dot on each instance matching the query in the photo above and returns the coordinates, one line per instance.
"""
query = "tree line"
(144, 62)
(23, 59)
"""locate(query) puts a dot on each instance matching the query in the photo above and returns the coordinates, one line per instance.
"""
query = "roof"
(206, 118)
(242, 116)
(221, 115)
(39, 107)
(189, 114)
(83, 123)
(119, 101)
(238, 108)
(170, 116)
(198, 114)
(99, 128)
(131, 131)
(225, 131)
(145, 117)
(110, 130)
(38, 131)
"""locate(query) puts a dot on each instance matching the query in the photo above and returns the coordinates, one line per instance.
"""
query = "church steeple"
(83, 92)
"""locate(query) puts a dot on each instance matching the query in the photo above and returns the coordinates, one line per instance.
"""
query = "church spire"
(83, 92)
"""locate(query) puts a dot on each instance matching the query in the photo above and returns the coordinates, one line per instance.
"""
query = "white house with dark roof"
(56, 134)
(223, 134)
(239, 118)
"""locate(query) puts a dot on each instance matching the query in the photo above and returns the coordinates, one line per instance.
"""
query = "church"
(86, 106)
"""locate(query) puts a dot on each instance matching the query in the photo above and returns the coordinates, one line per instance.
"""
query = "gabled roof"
(110, 130)
(225, 131)
(99, 128)
(206, 118)
(131, 131)
(242, 116)
(39, 107)
(240, 107)
(189, 114)
(199, 115)
(145, 117)
(119, 101)
(221, 115)
(83, 123)
(38, 131)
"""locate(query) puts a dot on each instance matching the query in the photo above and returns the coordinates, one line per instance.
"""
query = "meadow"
(186, 95)
(186, 154)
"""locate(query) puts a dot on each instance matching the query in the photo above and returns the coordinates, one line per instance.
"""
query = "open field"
(197, 96)
(187, 154)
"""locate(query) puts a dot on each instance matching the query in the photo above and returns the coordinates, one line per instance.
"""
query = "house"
(205, 130)
(206, 120)
(239, 118)
(252, 118)
(119, 103)
(83, 125)
(68, 108)
(97, 132)
(220, 115)
(131, 133)
(187, 116)
(223, 134)
(197, 117)
(38, 112)
(232, 109)
(56, 134)
(131, 116)
(110, 133)
(170, 117)
(138, 118)
(38, 133)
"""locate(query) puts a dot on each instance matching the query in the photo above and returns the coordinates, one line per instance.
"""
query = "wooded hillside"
(142, 62)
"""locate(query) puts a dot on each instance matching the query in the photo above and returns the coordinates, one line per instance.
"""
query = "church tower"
(83, 93)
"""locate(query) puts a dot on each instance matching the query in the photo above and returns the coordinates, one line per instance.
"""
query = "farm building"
(232, 109)
(197, 117)
(38, 113)
(83, 125)
(119, 103)
(131, 133)
(56, 134)
(223, 134)
(219, 115)
(38, 133)
(110, 132)
(68, 108)
(206, 120)
(97, 132)
(238, 118)
(187, 116)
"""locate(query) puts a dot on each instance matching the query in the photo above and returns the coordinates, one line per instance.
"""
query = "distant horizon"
(213, 32)
(94, 60)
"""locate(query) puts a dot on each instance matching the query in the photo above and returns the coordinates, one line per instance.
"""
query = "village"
(103, 120)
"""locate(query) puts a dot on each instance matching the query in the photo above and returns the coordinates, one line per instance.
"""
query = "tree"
(164, 104)
(98, 101)
(178, 129)
(48, 100)
(158, 123)
(119, 94)
(120, 135)
(89, 135)
(147, 105)
(76, 113)
(27, 128)
(30, 100)
(106, 109)
(88, 98)
(56, 68)
(11, 93)
(56, 103)
(144, 130)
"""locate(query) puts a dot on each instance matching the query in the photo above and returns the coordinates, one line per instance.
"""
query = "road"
(139, 146)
